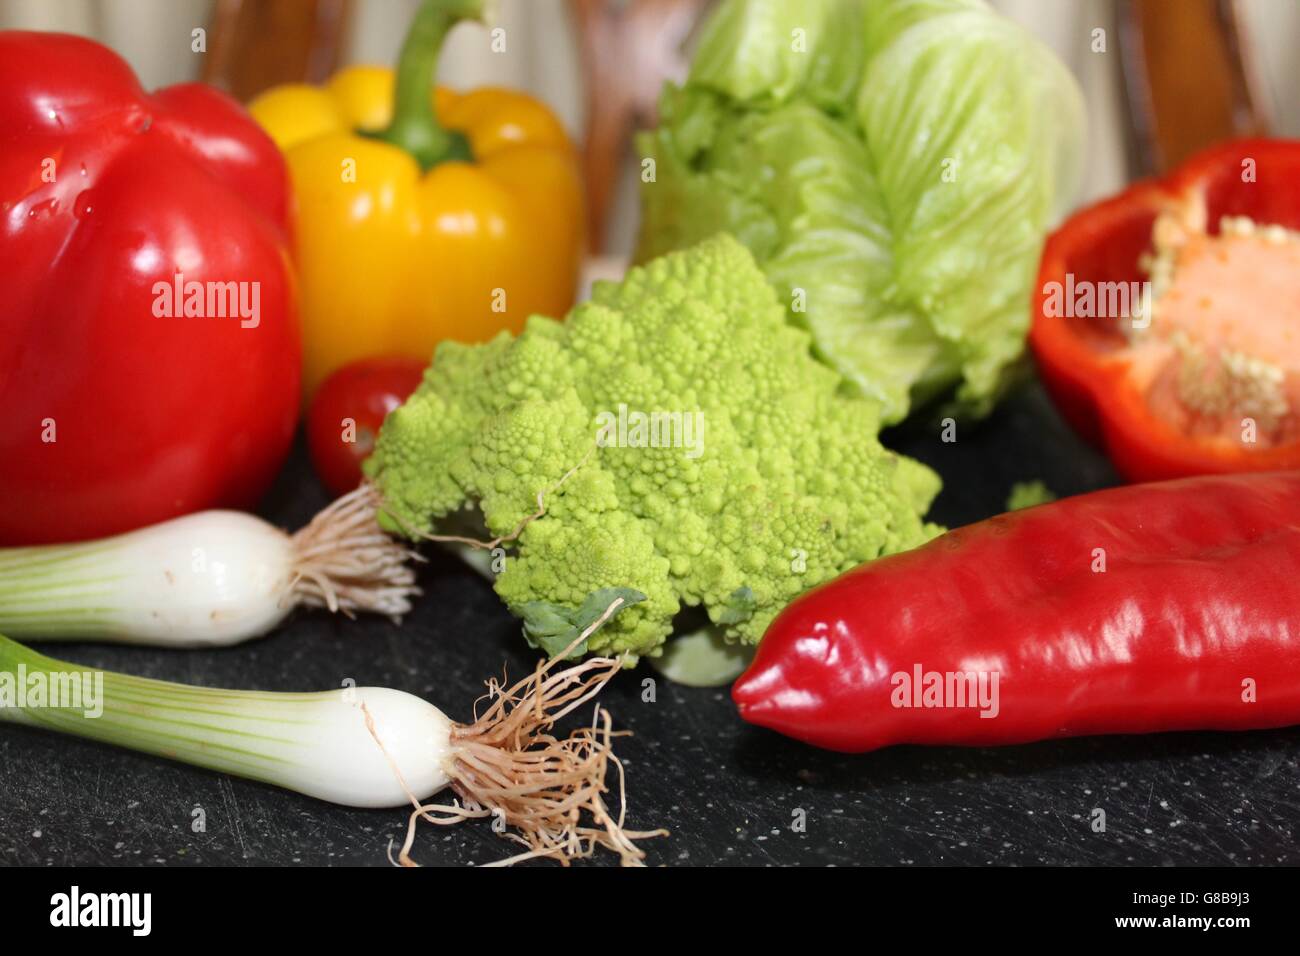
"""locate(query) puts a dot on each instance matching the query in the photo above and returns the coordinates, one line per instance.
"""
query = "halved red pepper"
(1212, 385)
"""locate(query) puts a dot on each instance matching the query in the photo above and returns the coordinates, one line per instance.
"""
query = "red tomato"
(347, 411)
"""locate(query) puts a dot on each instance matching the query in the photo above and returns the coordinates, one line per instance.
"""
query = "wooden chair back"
(256, 44)
(1187, 71)
(1189, 79)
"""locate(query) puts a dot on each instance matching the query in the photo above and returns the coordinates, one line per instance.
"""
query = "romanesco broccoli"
(786, 487)
(1028, 494)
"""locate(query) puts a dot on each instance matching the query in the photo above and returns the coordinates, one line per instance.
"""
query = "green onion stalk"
(209, 579)
(366, 746)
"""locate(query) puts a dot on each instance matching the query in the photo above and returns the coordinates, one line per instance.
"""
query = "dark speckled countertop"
(729, 793)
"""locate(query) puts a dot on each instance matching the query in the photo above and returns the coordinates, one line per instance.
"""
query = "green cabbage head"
(893, 166)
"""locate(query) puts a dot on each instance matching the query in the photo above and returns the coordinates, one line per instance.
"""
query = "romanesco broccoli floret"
(777, 483)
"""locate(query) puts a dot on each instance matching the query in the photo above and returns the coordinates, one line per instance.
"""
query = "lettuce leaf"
(893, 166)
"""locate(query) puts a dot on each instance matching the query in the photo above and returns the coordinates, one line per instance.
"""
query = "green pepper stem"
(415, 127)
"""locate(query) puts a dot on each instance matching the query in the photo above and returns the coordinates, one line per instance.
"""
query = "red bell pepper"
(113, 413)
(1212, 383)
(1171, 606)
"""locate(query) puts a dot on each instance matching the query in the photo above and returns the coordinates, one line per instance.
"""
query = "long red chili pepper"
(1172, 606)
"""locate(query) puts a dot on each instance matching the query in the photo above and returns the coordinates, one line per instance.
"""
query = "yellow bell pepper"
(423, 215)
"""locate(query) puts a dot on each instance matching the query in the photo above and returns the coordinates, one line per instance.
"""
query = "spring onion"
(208, 579)
(374, 746)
